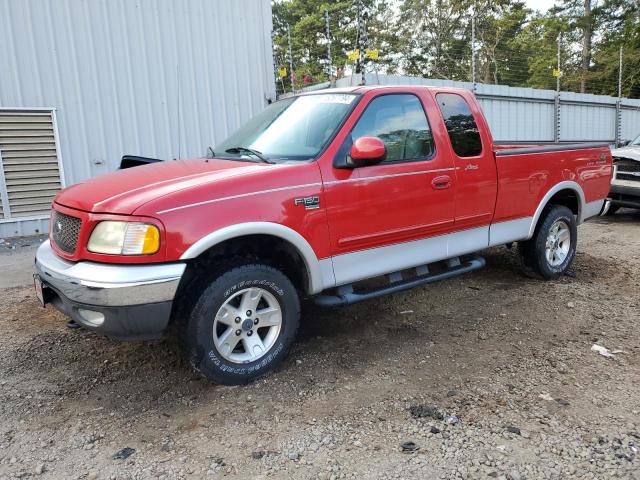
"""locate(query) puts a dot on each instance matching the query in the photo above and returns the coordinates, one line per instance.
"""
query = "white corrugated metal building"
(83, 82)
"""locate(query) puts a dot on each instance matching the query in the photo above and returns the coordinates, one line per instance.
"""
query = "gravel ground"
(485, 376)
(13, 245)
(16, 260)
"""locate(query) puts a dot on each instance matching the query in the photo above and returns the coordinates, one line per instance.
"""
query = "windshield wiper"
(253, 152)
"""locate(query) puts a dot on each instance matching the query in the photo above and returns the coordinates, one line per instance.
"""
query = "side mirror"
(624, 143)
(366, 151)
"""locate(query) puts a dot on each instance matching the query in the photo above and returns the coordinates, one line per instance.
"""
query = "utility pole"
(619, 103)
(276, 74)
(620, 76)
(558, 65)
(556, 134)
(326, 18)
(361, 43)
(473, 51)
(290, 57)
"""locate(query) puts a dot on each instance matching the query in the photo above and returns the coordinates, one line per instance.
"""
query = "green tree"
(539, 39)
(501, 58)
(581, 21)
(591, 39)
(432, 38)
(435, 38)
(306, 19)
(620, 28)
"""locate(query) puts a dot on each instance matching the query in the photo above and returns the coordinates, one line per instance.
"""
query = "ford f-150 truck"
(339, 195)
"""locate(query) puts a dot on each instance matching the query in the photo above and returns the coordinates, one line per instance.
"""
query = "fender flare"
(564, 185)
(319, 272)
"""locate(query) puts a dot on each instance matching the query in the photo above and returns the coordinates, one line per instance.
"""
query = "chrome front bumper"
(625, 193)
(125, 301)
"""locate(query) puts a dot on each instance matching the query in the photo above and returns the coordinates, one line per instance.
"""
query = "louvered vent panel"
(29, 160)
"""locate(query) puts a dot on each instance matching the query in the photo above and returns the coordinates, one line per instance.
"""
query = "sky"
(542, 5)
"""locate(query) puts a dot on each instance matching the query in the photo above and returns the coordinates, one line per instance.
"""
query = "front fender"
(319, 272)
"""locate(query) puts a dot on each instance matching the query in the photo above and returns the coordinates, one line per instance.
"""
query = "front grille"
(627, 169)
(626, 165)
(64, 231)
(628, 176)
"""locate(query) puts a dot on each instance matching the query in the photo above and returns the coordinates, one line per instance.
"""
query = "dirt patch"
(508, 356)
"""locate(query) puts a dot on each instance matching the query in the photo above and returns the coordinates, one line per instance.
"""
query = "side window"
(462, 127)
(400, 122)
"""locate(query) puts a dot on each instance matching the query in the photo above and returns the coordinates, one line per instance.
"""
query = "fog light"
(94, 319)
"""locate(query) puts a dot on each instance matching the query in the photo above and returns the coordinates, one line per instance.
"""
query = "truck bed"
(528, 172)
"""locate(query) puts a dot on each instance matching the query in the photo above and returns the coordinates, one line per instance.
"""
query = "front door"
(376, 212)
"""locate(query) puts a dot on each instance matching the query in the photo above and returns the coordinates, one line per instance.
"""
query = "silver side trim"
(108, 284)
(327, 274)
(592, 209)
(320, 276)
(240, 195)
(509, 231)
(355, 266)
(382, 177)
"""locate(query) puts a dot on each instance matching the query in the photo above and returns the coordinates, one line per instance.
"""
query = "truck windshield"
(636, 141)
(292, 129)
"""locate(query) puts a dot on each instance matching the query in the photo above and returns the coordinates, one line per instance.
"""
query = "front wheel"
(550, 252)
(242, 324)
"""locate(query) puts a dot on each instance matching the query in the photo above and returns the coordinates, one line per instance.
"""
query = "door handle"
(442, 182)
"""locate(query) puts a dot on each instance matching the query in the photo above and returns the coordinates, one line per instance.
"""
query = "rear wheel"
(550, 252)
(242, 324)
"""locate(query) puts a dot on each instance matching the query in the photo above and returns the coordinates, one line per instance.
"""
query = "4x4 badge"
(310, 203)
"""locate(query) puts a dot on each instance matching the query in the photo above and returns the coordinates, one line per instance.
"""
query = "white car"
(625, 185)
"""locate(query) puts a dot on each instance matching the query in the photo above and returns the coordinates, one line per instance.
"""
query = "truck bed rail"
(547, 148)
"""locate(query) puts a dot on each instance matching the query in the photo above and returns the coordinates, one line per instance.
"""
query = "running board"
(346, 296)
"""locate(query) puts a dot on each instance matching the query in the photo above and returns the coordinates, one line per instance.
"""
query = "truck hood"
(124, 191)
(631, 152)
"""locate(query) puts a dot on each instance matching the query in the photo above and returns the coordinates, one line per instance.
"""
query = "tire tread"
(534, 263)
(187, 324)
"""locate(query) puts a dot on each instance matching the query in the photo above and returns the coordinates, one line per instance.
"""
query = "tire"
(549, 253)
(229, 357)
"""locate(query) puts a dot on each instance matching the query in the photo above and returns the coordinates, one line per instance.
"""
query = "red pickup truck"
(313, 197)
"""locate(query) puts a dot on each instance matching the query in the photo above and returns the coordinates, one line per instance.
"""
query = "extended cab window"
(462, 127)
(400, 122)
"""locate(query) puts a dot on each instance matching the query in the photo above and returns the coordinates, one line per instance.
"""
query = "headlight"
(124, 238)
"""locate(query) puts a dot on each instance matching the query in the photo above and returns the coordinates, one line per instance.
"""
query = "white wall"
(158, 78)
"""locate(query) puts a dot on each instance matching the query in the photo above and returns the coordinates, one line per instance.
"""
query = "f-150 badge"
(310, 203)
